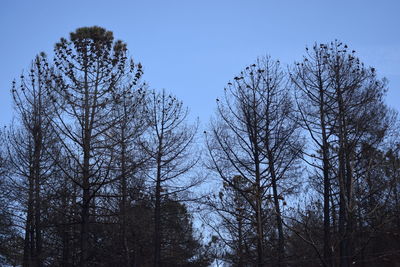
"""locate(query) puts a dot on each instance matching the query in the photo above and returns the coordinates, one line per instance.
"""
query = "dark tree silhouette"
(255, 136)
(29, 144)
(91, 67)
(168, 143)
(98, 170)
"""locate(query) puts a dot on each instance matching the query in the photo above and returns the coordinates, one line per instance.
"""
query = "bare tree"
(314, 98)
(256, 137)
(10, 240)
(341, 106)
(29, 143)
(129, 112)
(361, 117)
(168, 143)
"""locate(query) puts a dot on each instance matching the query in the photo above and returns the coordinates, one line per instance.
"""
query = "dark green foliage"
(180, 247)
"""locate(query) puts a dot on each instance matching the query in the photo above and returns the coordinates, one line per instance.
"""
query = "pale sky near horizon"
(193, 48)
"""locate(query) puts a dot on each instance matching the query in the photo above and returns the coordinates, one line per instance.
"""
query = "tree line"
(298, 166)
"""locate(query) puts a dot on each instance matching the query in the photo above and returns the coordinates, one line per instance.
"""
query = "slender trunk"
(259, 217)
(85, 178)
(327, 224)
(124, 200)
(38, 230)
(240, 243)
(85, 224)
(65, 233)
(281, 244)
(342, 222)
(334, 225)
(349, 206)
(157, 214)
(239, 219)
(76, 213)
(260, 259)
(327, 186)
(396, 195)
(28, 248)
(343, 218)
(32, 242)
(38, 145)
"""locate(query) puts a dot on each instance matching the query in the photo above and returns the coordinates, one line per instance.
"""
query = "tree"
(29, 145)
(314, 97)
(10, 240)
(360, 114)
(91, 66)
(341, 106)
(168, 144)
(129, 112)
(257, 138)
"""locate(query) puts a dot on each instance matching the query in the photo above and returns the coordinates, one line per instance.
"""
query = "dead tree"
(314, 98)
(29, 143)
(169, 144)
(256, 137)
(129, 112)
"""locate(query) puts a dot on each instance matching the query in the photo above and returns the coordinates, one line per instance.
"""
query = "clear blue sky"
(193, 48)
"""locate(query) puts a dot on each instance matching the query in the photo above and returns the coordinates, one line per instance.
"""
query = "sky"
(192, 48)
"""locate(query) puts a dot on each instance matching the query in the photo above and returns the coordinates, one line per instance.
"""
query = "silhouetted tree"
(314, 97)
(91, 67)
(256, 137)
(29, 145)
(96, 170)
(169, 145)
(340, 104)
(10, 240)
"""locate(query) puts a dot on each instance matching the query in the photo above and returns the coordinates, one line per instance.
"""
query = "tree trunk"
(38, 230)
(85, 177)
(343, 204)
(28, 241)
(65, 262)
(37, 177)
(281, 244)
(124, 200)
(349, 206)
(259, 217)
(327, 186)
(157, 214)
(240, 241)
(85, 226)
